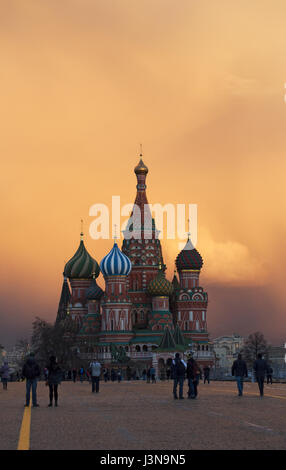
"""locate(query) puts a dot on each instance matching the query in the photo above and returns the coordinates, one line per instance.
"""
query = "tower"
(191, 300)
(143, 248)
(80, 270)
(116, 307)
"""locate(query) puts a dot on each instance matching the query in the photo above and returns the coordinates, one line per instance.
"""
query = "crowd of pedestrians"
(179, 371)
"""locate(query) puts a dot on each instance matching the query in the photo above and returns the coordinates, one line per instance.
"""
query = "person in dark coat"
(260, 368)
(5, 373)
(269, 375)
(54, 379)
(206, 374)
(179, 369)
(193, 373)
(148, 375)
(239, 370)
(74, 374)
(31, 372)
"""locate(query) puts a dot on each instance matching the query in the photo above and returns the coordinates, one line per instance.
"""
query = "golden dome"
(141, 168)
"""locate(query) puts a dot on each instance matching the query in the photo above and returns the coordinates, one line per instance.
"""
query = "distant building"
(226, 349)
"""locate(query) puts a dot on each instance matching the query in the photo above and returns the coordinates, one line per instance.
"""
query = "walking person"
(206, 374)
(31, 372)
(148, 375)
(53, 380)
(179, 368)
(269, 375)
(239, 370)
(153, 375)
(192, 371)
(95, 368)
(260, 368)
(5, 373)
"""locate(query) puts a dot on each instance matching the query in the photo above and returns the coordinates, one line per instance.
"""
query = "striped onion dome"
(189, 258)
(81, 265)
(160, 285)
(115, 263)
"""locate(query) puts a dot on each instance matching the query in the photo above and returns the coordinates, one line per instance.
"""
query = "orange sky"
(201, 85)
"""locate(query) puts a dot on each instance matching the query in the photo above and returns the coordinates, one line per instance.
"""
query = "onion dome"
(189, 258)
(115, 263)
(81, 265)
(160, 285)
(141, 168)
(93, 292)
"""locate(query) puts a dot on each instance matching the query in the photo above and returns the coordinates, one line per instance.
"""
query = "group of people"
(179, 371)
(261, 369)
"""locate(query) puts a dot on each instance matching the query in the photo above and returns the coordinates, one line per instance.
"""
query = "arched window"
(186, 325)
(198, 348)
(145, 348)
(203, 348)
(126, 348)
(137, 348)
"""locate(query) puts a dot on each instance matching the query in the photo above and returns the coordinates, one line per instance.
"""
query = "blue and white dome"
(115, 263)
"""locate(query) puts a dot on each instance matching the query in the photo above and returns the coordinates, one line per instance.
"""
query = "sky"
(201, 85)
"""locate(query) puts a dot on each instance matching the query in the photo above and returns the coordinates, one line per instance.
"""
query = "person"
(69, 374)
(192, 370)
(55, 375)
(206, 374)
(168, 373)
(95, 368)
(106, 375)
(74, 374)
(239, 370)
(5, 373)
(144, 374)
(81, 374)
(269, 375)
(128, 373)
(31, 372)
(260, 368)
(179, 368)
(113, 375)
(119, 375)
(148, 375)
(153, 375)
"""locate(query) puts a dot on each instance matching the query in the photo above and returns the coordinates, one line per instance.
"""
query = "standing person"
(148, 375)
(128, 373)
(81, 374)
(55, 375)
(191, 376)
(106, 375)
(179, 368)
(31, 372)
(260, 369)
(95, 368)
(153, 375)
(168, 373)
(119, 375)
(269, 375)
(113, 375)
(206, 374)
(74, 374)
(239, 370)
(4, 372)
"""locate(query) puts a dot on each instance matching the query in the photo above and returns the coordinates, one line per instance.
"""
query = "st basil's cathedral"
(140, 312)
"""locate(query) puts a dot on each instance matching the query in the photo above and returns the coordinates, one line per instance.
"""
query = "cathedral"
(140, 313)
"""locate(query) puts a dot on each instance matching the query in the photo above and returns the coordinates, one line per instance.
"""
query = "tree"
(58, 340)
(255, 344)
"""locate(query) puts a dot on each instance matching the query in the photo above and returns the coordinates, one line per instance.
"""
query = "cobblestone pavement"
(136, 415)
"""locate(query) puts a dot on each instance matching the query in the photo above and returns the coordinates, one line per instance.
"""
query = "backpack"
(31, 371)
(179, 368)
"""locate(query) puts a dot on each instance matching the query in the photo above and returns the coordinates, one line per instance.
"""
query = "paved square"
(137, 415)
